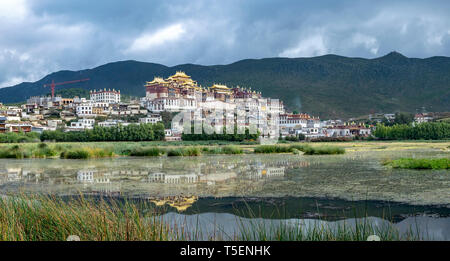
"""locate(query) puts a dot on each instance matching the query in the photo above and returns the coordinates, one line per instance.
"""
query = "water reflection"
(272, 186)
(130, 175)
(230, 227)
(354, 176)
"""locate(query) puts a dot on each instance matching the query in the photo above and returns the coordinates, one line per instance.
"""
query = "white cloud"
(13, 10)
(42, 36)
(308, 47)
(369, 42)
(162, 36)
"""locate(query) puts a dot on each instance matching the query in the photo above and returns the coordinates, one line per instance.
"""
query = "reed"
(50, 218)
(360, 230)
(223, 150)
(44, 218)
(86, 153)
(272, 149)
(185, 151)
(323, 150)
(147, 152)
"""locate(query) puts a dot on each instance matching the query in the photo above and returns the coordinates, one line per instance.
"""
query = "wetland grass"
(185, 151)
(300, 231)
(323, 150)
(272, 149)
(44, 218)
(307, 149)
(50, 218)
(410, 163)
(147, 152)
(223, 150)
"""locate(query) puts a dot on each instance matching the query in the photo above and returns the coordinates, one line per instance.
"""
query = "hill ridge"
(327, 86)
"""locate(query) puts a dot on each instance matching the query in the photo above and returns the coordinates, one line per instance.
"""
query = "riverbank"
(108, 150)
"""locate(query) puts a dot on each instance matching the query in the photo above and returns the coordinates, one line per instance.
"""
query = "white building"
(81, 124)
(112, 123)
(104, 95)
(85, 109)
(152, 118)
(170, 104)
(338, 131)
(422, 117)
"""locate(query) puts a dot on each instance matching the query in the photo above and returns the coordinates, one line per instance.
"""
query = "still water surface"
(273, 187)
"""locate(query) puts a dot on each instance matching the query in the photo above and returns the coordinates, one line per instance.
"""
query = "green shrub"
(300, 147)
(409, 163)
(174, 152)
(272, 149)
(75, 154)
(323, 150)
(15, 152)
(189, 151)
(231, 150)
(147, 152)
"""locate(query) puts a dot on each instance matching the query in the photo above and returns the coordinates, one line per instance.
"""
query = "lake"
(270, 188)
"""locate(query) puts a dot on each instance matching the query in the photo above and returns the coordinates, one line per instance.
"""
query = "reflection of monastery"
(209, 173)
(18, 175)
(181, 203)
(92, 176)
(217, 177)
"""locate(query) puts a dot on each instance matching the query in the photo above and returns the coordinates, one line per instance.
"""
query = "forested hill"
(328, 86)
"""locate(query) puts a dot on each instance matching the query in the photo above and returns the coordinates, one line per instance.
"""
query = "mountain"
(328, 86)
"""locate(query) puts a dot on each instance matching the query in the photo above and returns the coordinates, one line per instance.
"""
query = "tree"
(403, 118)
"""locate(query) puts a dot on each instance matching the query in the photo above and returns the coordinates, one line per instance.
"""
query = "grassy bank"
(102, 150)
(44, 150)
(159, 148)
(307, 149)
(409, 163)
(44, 218)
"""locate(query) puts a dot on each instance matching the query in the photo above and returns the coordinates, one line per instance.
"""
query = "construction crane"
(54, 84)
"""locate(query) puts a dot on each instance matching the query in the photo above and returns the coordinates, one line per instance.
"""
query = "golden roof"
(179, 74)
(157, 80)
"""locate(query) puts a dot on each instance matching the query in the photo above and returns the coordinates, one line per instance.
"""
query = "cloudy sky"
(41, 36)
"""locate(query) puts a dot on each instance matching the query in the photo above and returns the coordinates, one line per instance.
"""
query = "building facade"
(106, 96)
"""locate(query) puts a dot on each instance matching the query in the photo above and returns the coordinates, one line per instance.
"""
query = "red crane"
(54, 84)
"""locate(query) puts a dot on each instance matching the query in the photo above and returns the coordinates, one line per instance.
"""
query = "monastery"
(179, 92)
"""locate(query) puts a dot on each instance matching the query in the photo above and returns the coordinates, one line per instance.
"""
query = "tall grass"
(409, 163)
(142, 149)
(86, 153)
(147, 152)
(308, 150)
(39, 218)
(223, 150)
(15, 152)
(272, 149)
(188, 151)
(48, 218)
(300, 231)
(323, 150)
(44, 151)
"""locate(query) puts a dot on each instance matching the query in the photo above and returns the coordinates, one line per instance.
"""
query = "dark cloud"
(41, 36)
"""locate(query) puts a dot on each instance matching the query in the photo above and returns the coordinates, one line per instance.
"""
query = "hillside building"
(105, 96)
